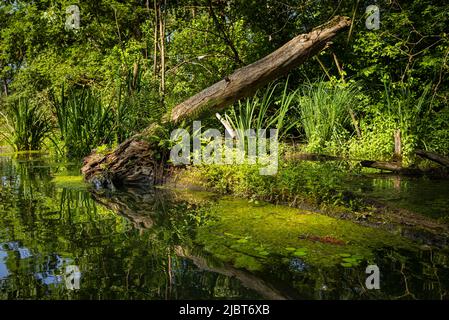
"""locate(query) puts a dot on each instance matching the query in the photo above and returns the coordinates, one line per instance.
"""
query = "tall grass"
(84, 121)
(27, 125)
(411, 113)
(263, 112)
(407, 107)
(324, 111)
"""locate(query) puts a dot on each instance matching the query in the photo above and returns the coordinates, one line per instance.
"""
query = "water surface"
(66, 242)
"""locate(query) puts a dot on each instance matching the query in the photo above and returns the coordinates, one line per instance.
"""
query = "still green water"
(428, 196)
(63, 241)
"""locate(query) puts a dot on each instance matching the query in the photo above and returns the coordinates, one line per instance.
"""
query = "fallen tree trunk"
(435, 157)
(391, 166)
(245, 81)
(301, 156)
(133, 161)
(396, 167)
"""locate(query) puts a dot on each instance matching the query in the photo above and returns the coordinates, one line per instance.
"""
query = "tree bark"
(442, 160)
(162, 48)
(394, 167)
(390, 166)
(245, 81)
(397, 145)
(155, 40)
(132, 162)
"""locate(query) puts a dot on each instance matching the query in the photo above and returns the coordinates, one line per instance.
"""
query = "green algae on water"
(250, 236)
(70, 182)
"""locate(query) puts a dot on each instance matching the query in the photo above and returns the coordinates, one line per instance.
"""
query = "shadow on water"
(61, 242)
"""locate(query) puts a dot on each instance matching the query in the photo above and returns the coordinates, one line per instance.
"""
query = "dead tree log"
(245, 81)
(435, 157)
(391, 166)
(132, 162)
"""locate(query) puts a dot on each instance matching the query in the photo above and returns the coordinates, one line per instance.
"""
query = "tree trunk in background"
(133, 161)
(5, 87)
(155, 41)
(162, 48)
(397, 145)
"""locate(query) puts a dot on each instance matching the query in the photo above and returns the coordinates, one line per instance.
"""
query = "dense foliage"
(131, 61)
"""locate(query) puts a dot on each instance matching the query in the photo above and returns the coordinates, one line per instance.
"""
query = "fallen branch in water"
(435, 157)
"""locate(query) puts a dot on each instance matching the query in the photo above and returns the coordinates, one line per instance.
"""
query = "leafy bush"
(436, 137)
(296, 182)
(377, 140)
(400, 109)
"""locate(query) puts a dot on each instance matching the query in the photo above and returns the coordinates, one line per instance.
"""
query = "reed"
(27, 125)
(84, 121)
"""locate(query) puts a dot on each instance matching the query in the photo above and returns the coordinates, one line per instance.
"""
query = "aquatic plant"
(252, 236)
(263, 112)
(27, 126)
(84, 121)
(324, 111)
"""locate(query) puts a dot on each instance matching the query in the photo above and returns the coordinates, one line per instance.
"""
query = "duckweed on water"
(70, 182)
(246, 234)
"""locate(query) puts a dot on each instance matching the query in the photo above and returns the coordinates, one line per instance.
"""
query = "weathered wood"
(132, 162)
(390, 166)
(397, 145)
(245, 81)
(442, 160)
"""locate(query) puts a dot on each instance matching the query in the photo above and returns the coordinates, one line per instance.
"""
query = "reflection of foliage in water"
(61, 227)
(127, 247)
(427, 196)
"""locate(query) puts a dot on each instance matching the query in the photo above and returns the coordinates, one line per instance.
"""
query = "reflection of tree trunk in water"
(250, 281)
(397, 183)
(170, 278)
(138, 205)
(133, 161)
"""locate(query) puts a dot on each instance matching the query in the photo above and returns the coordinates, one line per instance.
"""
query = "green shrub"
(399, 109)
(297, 181)
(377, 140)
